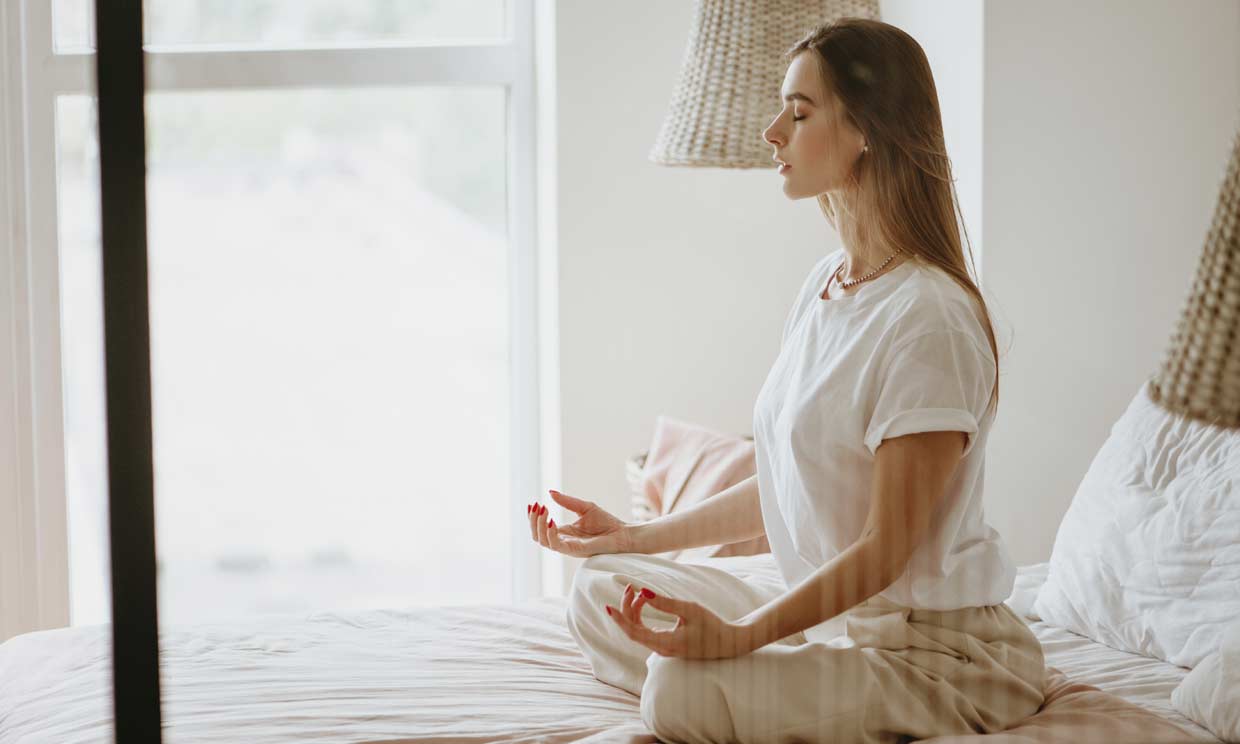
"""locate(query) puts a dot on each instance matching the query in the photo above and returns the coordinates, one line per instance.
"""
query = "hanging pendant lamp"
(731, 74)
(1200, 376)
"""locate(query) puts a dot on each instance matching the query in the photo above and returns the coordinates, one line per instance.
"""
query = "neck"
(863, 251)
(857, 265)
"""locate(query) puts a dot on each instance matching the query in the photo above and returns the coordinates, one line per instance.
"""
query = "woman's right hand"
(595, 531)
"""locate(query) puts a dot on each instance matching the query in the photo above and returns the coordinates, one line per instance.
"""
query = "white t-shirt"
(906, 353)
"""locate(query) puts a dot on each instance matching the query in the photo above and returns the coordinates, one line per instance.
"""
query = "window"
(342, 304)
(296, 22)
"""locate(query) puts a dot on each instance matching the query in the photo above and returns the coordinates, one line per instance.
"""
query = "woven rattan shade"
(731, 75)
(1200, 377)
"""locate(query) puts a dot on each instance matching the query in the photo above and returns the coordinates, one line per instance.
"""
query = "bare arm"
(732, 515)
(911, 474)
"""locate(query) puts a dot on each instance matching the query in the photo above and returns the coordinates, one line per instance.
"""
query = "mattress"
(468, 673)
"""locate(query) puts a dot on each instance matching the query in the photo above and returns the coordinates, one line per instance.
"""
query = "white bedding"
(463, 674)
(1146, 559)
(469, 674)
(1142, 680)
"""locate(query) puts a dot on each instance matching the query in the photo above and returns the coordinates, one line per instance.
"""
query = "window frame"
(34, 558)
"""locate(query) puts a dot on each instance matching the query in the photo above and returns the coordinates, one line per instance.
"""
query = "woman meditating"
(881, 618)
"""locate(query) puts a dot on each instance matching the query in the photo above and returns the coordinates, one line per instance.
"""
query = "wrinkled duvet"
(473, 674)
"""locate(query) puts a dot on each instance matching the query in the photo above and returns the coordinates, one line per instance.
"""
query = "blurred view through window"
(293, 22)
(329, 340)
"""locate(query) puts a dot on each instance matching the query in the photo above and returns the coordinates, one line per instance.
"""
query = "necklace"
(853, 282)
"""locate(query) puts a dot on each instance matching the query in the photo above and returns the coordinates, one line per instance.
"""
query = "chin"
(796, 194)
(799, 192)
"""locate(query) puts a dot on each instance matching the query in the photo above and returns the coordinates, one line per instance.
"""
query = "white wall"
(1107, 128)
(674, 282)
(950, 33)
(1088, 144)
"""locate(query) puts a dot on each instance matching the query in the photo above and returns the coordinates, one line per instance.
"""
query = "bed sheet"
(487, 673)
(1141, 680)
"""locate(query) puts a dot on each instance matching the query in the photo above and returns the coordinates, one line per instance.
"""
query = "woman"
(880, 616)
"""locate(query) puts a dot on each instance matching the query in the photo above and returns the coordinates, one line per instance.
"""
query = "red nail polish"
(551, 523)
(544, 511)
(647, 593)
(529, 508)
(608, 609)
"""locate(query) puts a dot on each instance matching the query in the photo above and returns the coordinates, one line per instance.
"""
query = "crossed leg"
(895, 673)
(748, 583)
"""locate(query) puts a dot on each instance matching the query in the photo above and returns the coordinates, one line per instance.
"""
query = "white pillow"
(1029, 581)
(1210, 694)
(1147, 558)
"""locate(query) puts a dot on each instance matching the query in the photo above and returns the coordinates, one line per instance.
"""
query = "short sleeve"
(936, 381)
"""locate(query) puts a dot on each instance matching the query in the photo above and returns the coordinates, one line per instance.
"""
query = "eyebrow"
(799, 96)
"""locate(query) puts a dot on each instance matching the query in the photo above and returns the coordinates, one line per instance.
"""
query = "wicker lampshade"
(1200, 376)
(731, 74)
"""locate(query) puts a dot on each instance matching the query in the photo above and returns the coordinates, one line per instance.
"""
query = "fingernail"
(529, 508)
(544, 511)
(608, 609)
(551, 523)
(647, 593)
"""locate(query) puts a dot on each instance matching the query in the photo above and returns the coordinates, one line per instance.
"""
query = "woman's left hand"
(699, 633)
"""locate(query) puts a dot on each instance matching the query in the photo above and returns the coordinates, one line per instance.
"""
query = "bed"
(486, 673)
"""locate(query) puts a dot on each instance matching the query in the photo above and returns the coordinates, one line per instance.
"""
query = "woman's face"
(811, 133)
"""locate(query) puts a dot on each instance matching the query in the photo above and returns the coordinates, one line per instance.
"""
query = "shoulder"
(824, 265)
(817, 276)
(929, 303)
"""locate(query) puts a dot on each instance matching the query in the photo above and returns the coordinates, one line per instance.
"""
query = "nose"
(771, 136)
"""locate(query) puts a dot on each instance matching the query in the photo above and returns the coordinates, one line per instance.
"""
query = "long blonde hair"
(906, 195)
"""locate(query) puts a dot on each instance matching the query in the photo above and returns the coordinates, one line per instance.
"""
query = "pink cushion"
(688, 463)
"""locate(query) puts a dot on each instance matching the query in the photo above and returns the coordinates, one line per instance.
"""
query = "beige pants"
(894, 674)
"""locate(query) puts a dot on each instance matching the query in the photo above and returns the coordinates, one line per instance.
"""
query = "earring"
(865, 149)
